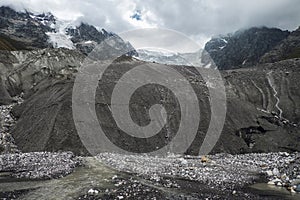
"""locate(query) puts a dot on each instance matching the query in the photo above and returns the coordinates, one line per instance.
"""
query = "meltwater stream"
(272, 85)
(116, 176)
(94, 174)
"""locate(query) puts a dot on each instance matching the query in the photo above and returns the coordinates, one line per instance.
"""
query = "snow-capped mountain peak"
(35, 31)
(59, 37)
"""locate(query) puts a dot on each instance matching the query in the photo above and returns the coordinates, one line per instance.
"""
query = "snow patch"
(32, 16)
(210, 84)
(208, 66)
(172, 58)
(263, 110)
(88, 42)
(59, 38)
(224, 40)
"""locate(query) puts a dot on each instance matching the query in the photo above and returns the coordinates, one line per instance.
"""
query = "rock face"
(85, 37)
(28, 31)
(243, 48)
(86, 32)
(255, 97)
(21, 70)
(5, 97)
(24, 31)
(286, 49)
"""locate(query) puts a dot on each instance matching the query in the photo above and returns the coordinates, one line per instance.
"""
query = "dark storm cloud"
(199, 19)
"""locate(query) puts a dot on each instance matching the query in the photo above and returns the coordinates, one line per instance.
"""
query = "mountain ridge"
(243, 48)
(28, 31)
(262, 98)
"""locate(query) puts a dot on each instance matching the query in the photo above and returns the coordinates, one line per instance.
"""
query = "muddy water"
(98, 176)
(93, 175)
(264, 189)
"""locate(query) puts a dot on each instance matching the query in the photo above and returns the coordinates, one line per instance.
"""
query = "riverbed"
(116, 176)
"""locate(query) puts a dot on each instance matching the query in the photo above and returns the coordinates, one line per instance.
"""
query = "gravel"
(7, 143)
(286, 173)
(39, 165)
(221, 176)
(220, 171)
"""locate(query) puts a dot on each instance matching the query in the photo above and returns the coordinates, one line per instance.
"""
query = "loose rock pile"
(287, 173)
(7, 143)
(124, 189)
(220, 171)
(39, 165)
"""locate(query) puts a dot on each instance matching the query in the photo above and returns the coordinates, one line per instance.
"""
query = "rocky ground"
(38, 165)
(286, 174)
(7, 143)
(215, 177)
(220, 176)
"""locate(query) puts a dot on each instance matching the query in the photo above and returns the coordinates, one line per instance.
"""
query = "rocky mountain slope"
(27, 31)
(263, 110)
(286, 49)
(24, 30)
(21, 70)
(243, 48)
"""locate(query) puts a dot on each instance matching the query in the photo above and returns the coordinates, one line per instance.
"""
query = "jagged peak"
(244, 47)
(41, 30)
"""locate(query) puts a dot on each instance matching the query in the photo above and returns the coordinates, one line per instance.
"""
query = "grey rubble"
(38, 165)
(219, 171)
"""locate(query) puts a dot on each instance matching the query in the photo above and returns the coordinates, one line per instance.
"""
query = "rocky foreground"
(221, 171)
(220, 176)
(38, 165)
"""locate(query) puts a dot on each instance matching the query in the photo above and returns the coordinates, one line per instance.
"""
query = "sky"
(198, 19)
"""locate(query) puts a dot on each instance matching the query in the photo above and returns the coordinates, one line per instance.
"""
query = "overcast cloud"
(198, 19)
